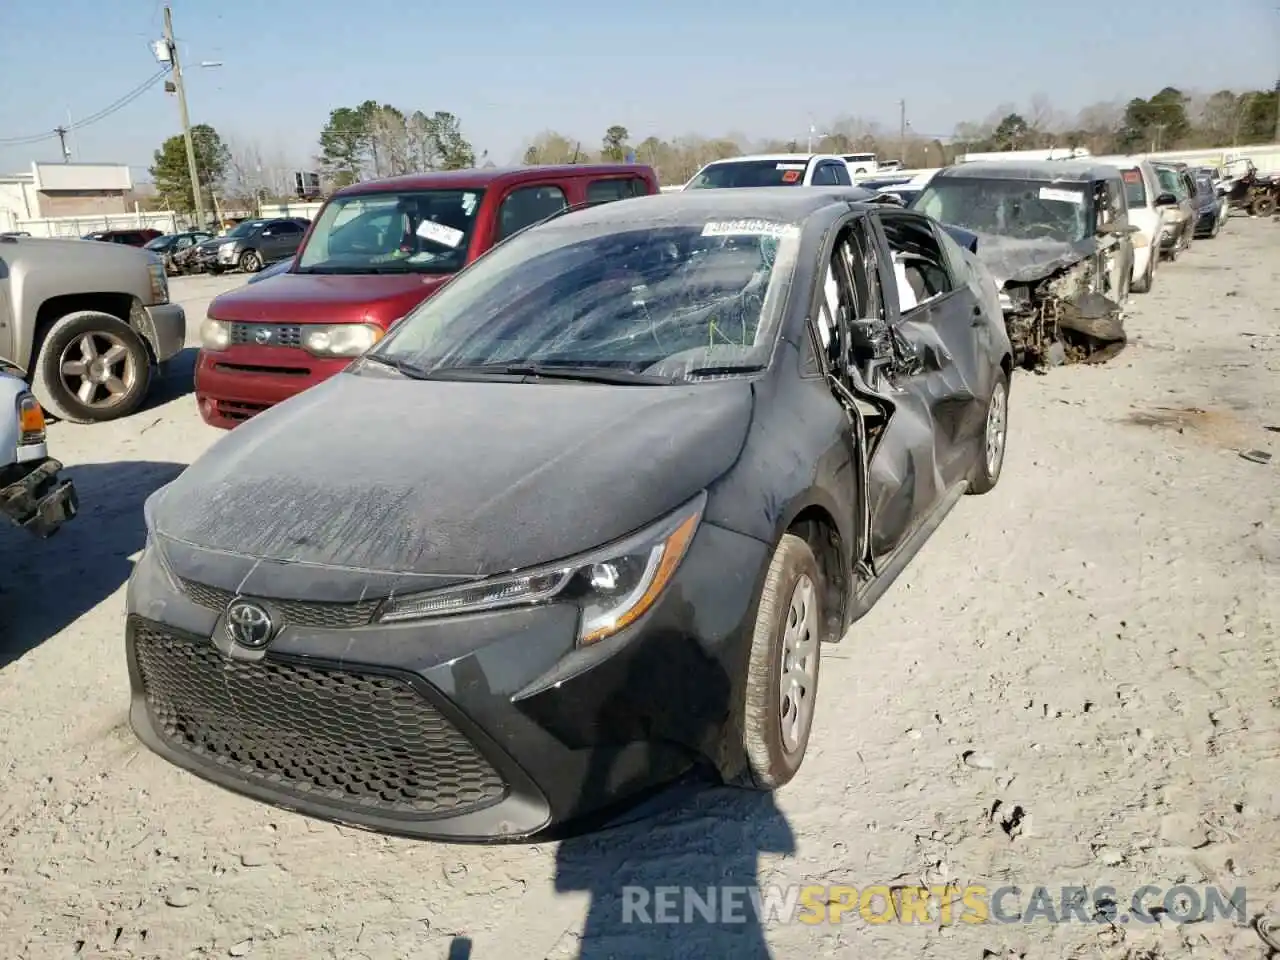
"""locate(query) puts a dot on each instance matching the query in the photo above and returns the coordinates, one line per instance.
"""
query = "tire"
(990, 462)
(61, 389)
(1263, 206)
(250, 262)
(793, 580)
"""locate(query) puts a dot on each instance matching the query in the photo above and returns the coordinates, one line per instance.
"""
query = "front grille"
(277, 334)
(301, 613)
(349, 739)
(238, 410)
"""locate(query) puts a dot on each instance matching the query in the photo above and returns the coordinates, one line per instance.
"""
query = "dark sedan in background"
(661, 449)
(1211, 208)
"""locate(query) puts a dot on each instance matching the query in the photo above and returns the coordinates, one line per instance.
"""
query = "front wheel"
(986, 472)
(92, 367)
(1143, 283)
(1263, 206)
(782, 671)
(250, 262)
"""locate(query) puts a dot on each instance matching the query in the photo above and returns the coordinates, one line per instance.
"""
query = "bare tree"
(245, 185)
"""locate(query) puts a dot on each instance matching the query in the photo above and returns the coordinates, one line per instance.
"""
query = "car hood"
(1012, 260)
(417, 483)
(325, 298)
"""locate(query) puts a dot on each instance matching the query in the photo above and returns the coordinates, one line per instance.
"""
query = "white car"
(773, 170)
(1141, 187)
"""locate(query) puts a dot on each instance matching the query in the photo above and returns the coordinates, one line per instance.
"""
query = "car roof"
(783, 204)
(478, 179)
(1082, 171)
(778, 157)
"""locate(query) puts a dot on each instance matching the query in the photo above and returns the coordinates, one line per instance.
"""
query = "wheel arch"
(813, 519)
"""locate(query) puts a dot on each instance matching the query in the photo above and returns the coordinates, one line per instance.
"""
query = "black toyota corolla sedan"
(579, 522)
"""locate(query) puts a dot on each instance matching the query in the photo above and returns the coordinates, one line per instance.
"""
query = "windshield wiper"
(586, 373)
(402, 366)
(724, 370)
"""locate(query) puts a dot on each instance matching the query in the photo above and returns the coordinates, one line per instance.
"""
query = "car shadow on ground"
(179, 379)
(673, 873)
(46, 585)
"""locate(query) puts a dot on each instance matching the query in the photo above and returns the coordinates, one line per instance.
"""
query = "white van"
(1141, 187)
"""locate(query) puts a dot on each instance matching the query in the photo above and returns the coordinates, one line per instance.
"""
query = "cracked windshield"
(1020, 209)
(666, 301)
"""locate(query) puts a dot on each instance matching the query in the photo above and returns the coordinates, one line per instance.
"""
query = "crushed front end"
(1061, 318)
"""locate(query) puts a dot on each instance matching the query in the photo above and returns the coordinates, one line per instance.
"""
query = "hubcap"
(996, 429)
(799, 675)
(98, 369)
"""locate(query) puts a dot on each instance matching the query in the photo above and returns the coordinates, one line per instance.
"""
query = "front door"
(937, 380)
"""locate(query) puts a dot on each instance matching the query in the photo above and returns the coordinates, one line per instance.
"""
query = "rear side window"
(527, 205)
(617, 188)
(1135, 191)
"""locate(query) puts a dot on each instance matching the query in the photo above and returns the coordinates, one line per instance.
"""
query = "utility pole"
(902, 131)
(176, 68)
(62, 139)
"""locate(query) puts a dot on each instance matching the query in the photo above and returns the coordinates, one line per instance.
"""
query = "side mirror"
(1166, 200)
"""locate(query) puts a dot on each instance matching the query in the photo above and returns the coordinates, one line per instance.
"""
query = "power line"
(119, 104)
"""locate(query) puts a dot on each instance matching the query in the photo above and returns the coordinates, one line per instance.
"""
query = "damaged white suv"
(32, 494)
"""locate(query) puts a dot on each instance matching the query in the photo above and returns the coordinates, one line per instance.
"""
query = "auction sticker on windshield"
(749, 228)
(430, 230)
(790, 166)
(1066, 196)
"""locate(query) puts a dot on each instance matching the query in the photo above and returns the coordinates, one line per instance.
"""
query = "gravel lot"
(1101, 632)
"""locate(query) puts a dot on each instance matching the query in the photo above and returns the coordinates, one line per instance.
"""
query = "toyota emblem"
(263, 335)
(249, 625)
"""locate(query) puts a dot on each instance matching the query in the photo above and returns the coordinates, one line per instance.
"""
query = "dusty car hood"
(1012, 260)
(314, 298)
(446, 478)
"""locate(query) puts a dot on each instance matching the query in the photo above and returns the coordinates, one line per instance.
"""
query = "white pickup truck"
(32, 494)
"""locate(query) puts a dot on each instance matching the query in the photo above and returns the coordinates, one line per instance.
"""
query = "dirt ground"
(1101, 633)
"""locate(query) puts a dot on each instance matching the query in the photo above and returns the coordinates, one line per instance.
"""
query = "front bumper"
(39, 501)
(480, 727)
(168, 330)
(235, 384)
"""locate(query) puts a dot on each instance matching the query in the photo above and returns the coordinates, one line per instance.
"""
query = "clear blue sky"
(509, 68)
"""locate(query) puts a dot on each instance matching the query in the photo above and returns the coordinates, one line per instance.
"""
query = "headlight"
(1005, 302)
(613, 587)
(1140, 240)
(227, 251)
(339, 339)
(31, 427)
(159, 283)
(215, 334)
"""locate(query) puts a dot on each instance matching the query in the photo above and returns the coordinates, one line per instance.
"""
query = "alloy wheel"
(98, 369)
(997, 417)
(798, 682)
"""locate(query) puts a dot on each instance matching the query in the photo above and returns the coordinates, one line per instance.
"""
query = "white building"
(88, 191)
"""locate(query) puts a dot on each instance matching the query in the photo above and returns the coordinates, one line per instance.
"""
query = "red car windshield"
(419, 231)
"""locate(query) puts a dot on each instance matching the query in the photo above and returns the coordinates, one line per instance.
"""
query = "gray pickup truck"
(88, 323)
(32, 494)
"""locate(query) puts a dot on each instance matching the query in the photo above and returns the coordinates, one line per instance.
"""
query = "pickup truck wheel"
(91, 367)
(250, 262)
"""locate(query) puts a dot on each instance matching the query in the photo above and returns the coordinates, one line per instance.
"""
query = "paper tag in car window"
(1065, 196)
(469, 203)
(1132, 176)
(790, 176)
(438, 232)
(749, 228)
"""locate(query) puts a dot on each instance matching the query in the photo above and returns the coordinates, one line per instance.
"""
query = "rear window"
(750, 173)
(1135, 191)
